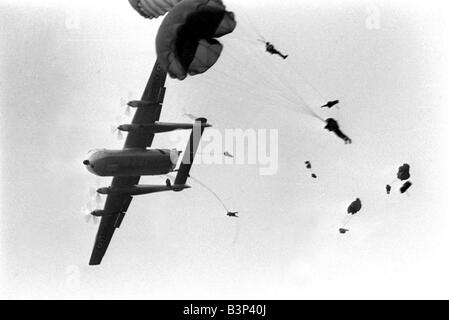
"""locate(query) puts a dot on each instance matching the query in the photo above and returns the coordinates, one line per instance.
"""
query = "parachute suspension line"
(242, 38)
(227, 81)
(346, 221)
(256, 67)
(265, 77)
(254, 28)
(204, 186)
(240, 77)
(244, 89)
(211, 191)
(237, 225)
(292, 90)
(295, 70)
(250, 83)
(285, 82)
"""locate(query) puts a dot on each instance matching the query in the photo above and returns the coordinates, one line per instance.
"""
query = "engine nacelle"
(98, 213)
(143, 104)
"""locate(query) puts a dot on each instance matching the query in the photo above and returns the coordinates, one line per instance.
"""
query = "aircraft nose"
(86, 162)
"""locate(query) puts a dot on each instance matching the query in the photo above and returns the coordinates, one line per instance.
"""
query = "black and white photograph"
(224, 150)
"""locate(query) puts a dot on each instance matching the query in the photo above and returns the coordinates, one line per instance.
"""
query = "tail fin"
(189, 154)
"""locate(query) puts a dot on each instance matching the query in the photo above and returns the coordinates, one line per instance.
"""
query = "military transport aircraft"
(126, 166)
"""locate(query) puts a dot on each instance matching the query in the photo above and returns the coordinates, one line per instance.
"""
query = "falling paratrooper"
(403, 174)
(269, 47)
(309, 166)
(330, 104)
(332, 125)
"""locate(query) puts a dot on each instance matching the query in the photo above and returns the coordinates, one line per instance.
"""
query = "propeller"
(95, 202)
(94, 195)
(114, 129)
(189, 115)
(124, 103)
(87, 216)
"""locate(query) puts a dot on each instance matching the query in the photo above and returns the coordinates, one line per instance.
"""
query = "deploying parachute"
(309, 166)
(185, 42)
(153, 8)
(355, 206)
(404, 172)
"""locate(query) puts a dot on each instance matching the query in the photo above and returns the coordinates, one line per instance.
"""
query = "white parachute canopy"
(153, 8)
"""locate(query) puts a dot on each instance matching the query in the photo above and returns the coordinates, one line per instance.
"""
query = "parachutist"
(330, 104)
(232, 214)
(405, 186)
(309, 166)
(271, 49)
(343, 230)
(388, 188)
(332, 125)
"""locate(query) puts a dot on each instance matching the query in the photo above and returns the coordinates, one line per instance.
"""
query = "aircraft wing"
(154, 95)
(117, 205)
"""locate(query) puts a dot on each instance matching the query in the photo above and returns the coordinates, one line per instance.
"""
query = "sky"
(66, 70)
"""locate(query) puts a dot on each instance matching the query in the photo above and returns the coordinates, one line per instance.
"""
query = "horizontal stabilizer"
(157, 127)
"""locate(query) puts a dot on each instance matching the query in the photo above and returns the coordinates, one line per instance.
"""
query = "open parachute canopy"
(153, 8)
(404, 172)
(185, 43)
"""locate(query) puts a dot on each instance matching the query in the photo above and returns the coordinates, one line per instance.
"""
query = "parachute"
(404, 172)
(185, 42)
(355, 206)
(153, 8)
(308, 165)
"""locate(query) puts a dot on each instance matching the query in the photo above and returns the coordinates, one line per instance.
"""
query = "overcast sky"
(65, 70)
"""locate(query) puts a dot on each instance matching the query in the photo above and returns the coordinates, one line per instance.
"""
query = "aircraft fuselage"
(131, 162)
